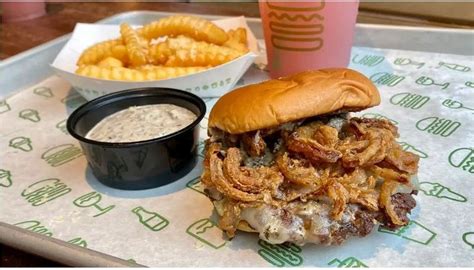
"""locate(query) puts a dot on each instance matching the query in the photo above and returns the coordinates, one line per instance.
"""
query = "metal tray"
(29, 67)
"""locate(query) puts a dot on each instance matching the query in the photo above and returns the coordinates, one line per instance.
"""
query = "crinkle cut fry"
(127, 74)
(195, 27)
(137, 48)
(184, 51)
(97, 52)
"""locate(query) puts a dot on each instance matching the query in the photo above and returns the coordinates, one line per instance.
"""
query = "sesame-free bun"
(310, 93)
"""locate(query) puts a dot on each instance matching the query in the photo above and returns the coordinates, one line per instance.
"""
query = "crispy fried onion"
(254, 143)
(378, 143)
(339, 196)
(386, 190)
(298, 171)
(242, 183)
(359, 126)
(402, 160)
(389, 174)
(361, 189)
(302, 141)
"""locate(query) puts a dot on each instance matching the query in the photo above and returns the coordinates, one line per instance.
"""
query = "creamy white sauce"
(139, 123)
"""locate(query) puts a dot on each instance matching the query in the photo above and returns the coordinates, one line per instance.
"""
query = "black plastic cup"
(143, 164)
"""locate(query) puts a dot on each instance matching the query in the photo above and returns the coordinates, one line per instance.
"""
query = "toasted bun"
(291, 98)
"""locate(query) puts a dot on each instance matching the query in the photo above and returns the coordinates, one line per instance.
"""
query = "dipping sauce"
(139, 123)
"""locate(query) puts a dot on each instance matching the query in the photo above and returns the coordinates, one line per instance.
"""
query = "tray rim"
(18, 237)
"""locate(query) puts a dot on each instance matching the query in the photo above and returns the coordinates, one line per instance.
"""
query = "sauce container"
(143, 164)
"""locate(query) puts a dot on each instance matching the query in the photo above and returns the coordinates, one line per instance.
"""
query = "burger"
(285, 159)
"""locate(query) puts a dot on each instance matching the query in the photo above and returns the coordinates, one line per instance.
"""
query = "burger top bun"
(291, 98)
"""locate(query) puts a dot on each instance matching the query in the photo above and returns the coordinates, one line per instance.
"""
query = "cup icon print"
(4, 107)
(296, 28)
(385, 78)
(468, 238)
(414, 232)
(30, 114)
(151, 220)
(283, 255)
(409, 100)
(207, 232)
(367, 60)
(5, 178)
(407, 61)
(21, 143)
(379, 116)
(44, 191)
(438, 126)
(92, 199)
(427, 81)
(454, 66)
(34, 226)
(195, 184)
(61, 154)
(44, 92)
(410, 148)
(462, 158)
(349, 262)
(439, 191)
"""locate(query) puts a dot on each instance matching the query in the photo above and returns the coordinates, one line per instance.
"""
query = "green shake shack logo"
(453, 66)
(207, 233)
(21, 143)
(414, 232)
(30, 115)
(62, 126)
(367, 60)
(409, 100)
(61, 154)
(427, 81)
(439, 191)
(78, 241)
(462, 158)
(407, 61)
(453, 104)
(387, 79)
(4, 107)
(44, 92)
(34, 226)
(44, 191)
(283, 255)
(438, 126)
(410, 148)
(349, 262)
(5, 178)
(196, 185)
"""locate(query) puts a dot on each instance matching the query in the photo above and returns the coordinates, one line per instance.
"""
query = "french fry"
(137, 48)
(237, 40)
(195, 27)
(186, 52)
(146, 73)
(99, 51)
(110, 62)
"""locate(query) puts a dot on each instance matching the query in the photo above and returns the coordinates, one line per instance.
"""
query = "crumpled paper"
(46, 187)
(213, 82)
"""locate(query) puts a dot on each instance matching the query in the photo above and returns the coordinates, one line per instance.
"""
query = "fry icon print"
(207, 232)
(44, 191)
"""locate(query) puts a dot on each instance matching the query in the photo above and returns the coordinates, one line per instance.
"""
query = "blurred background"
(25, 27)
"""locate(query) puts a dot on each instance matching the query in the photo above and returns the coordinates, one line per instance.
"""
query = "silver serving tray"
(30, 67)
